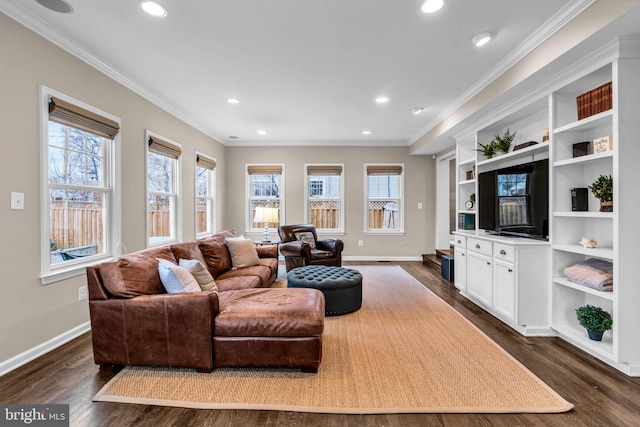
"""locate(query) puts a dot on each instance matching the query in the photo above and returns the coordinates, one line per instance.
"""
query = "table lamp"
(266, 216)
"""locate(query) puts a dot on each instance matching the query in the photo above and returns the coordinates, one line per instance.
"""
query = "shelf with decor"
(530, 151)
(593, 146)
(581, 288)
(590, 115)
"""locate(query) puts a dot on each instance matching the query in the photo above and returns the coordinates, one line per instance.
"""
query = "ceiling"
(305, 72)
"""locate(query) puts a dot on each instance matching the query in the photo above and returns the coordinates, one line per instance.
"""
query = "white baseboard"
(382, 258)
(25, 357)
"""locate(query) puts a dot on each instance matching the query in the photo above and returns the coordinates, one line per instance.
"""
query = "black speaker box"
(579, 199)
(446, 267)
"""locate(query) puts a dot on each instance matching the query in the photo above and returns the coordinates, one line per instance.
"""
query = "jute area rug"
(404, 351)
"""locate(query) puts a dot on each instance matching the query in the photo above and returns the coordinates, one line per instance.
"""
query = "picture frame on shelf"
(604, 144)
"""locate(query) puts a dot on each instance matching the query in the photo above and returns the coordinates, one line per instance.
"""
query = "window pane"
(57, 174)
(160, 173)
(384, 186)
(265, 186)
(57, 135)
(202, 215)
(161, 212)
(384, 215)
(325, 213)
(76, 223)
(202, 182)
(267, 203)
(75, 156)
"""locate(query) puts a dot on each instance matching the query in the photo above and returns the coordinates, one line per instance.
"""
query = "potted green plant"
(488, 150)
(602, 188)
(595, 320)
(503, 143)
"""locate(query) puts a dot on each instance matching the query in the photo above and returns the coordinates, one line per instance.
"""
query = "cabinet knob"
(477, 246)
(459, 242)
(503, 252)
(510, 270)
(462, 254)
(488, 263)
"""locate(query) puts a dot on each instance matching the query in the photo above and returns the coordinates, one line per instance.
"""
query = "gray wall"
(31, 313)
(419, 188)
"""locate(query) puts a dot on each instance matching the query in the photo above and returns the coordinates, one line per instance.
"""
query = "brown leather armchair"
(300, 246)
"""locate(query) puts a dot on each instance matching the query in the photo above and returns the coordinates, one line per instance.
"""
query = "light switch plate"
(17, 201)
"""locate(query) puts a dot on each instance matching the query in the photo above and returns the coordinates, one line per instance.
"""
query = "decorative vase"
(606, 205)
(595, 335)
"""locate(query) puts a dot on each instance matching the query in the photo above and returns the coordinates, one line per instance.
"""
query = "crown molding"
(587, 64)
(16, 12)
(329, 143)
(549, 28)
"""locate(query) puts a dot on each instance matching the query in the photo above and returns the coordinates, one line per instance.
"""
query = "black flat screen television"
(515, 200)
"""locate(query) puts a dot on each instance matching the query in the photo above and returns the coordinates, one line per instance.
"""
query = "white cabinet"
(460, 265)
(504, 301)
(480, 278)
(508, 277)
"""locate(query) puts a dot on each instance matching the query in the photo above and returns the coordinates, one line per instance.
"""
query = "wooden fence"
(75, 224)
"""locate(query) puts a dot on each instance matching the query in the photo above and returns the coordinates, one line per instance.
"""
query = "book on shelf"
(466, 221)
(595, 101)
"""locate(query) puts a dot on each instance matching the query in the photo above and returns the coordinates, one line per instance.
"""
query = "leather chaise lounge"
(135, 322)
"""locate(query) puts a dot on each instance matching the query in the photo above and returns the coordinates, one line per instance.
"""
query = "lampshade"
(266, 215)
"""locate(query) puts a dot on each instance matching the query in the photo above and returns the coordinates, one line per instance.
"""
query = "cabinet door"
(504, 295)
(479, 278)
(460, 264)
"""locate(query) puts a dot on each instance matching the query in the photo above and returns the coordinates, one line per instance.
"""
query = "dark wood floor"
(602, 396)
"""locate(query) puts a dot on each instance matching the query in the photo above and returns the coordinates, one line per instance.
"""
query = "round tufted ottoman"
(342, 287)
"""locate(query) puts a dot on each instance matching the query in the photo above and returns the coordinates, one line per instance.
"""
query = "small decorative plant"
(594, 319)
(602, 188)
(503, 143)
(488, 150)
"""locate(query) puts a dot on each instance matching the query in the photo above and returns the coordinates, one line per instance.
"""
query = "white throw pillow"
(176, 279)
(200, 273)
(307, 237)
(243, 252)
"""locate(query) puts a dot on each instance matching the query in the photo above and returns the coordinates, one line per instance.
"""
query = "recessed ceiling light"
(233, 101)
(59, 6)
(430, 6)
(416, 110)
(262, 132)
(154, 8)
(366, 132)
(481, 39)
(382, 99)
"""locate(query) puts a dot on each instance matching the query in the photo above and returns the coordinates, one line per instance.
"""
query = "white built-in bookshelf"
(617, 232)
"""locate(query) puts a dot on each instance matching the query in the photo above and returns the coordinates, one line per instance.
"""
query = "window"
(384, 211)
(162, 190)
(80, 197)
(325, 186)
(265, 186)
(205, 190)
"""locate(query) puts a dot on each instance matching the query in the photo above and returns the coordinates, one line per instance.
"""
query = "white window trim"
(51, 274)
(398, 232)
(325, 231)
(247, 192)
(177, 224)
(212, 197)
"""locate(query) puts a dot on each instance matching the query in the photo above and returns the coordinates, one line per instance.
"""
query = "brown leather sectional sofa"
(245, 324)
